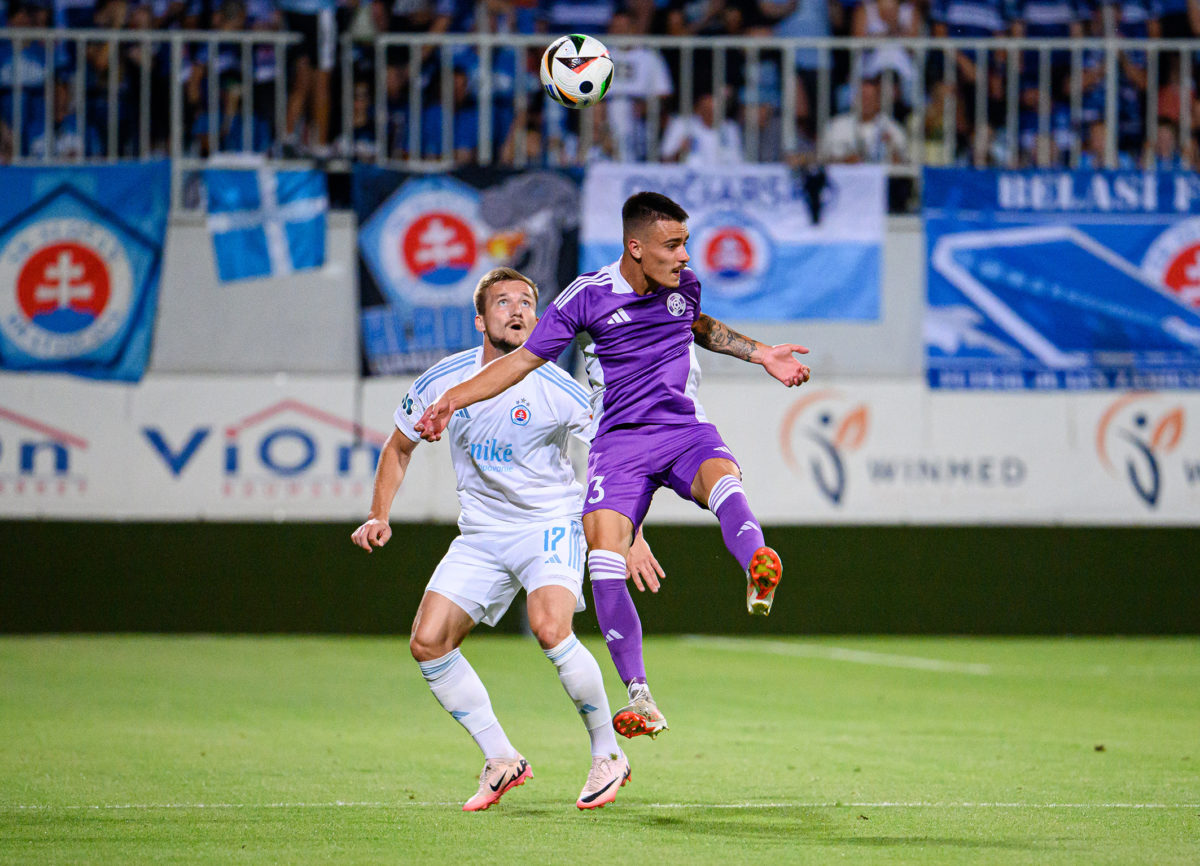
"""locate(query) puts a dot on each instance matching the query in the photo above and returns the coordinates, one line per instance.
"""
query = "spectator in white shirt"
(890, 20)
(640, 75)
(702, 139)
(869, 136)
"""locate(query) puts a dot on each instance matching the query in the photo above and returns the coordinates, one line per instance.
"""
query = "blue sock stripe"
(564, 649)
(431, 669)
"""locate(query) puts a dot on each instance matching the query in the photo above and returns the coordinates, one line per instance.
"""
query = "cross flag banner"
(767, 244)
(80, 262)
(425, 240)
(1062, 279)
(266, 223)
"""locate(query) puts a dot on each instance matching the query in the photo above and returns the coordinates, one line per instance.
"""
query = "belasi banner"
(1060, 279)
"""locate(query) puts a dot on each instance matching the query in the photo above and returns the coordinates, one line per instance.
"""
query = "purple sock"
(616, 614)
(740, 530)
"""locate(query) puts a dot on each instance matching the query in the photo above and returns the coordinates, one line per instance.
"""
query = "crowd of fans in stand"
(888, 104)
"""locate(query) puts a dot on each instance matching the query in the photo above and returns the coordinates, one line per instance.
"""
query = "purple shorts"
(627, 466)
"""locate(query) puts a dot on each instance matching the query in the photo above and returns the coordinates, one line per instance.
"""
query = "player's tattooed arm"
(718, 337)
(778, 360)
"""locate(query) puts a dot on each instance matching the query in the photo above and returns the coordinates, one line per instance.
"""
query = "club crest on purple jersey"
(676, 305)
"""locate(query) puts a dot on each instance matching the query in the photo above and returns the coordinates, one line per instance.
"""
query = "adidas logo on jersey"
(462, 413)
(611, 635)
(748, 526)
(620, 317)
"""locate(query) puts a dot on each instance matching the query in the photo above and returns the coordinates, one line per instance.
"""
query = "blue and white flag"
(1060, 279)
(766, 244)
(80, 262)
(266, 223)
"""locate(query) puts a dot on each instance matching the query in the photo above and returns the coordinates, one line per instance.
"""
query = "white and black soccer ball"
(577, 70)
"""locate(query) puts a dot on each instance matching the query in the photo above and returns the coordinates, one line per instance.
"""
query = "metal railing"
(125, 95)
(1006, 72)
(133, 94)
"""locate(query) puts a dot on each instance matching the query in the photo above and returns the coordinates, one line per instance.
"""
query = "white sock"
(580, 676)
(460, 691)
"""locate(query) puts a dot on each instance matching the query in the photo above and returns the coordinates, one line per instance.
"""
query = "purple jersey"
(643, 360)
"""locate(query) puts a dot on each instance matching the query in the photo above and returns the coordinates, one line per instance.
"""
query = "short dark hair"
(646, 208)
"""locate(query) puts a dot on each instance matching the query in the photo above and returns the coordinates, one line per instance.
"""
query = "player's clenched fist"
(434, 420)
(373, 533)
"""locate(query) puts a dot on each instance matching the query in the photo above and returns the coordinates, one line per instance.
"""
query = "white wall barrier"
(303, 448)
(307, 322)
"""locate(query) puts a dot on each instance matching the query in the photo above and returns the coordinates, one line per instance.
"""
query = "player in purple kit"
(643, 316)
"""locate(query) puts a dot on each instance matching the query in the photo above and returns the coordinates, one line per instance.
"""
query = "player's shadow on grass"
(931, 841)
(764, 823)
(802, 826)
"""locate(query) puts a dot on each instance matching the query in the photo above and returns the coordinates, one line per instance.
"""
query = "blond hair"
(500, 275)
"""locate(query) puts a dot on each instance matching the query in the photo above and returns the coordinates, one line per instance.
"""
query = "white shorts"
(483, 569)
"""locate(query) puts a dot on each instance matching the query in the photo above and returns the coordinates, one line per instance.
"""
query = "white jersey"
(509, 452)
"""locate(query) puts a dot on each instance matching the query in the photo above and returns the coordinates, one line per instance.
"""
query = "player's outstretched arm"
(641, 566)
(393, 462)
(777, 360)
(493, 379)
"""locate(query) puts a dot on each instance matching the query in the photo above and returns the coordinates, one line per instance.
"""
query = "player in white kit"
(521, 528)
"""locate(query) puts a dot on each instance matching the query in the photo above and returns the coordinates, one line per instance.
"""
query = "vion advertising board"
(196, 447)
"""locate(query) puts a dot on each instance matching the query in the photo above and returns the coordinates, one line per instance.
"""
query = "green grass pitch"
(129, 750)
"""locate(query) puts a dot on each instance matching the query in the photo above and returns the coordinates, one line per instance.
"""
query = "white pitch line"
(932, 804)
(924, 805)
(841, 654)
(337, 804)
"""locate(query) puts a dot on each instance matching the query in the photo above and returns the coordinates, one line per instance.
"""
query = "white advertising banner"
(897, 453)
(195, 447)
(304, 448)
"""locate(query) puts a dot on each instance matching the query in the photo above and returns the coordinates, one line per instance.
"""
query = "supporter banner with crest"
(80, 260)
(767, 243)
(1059, 279)
(425, 240)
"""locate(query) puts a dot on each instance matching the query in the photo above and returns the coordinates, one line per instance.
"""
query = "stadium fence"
(141, 107)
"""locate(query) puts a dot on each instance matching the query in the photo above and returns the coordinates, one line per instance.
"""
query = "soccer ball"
(576, 70)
